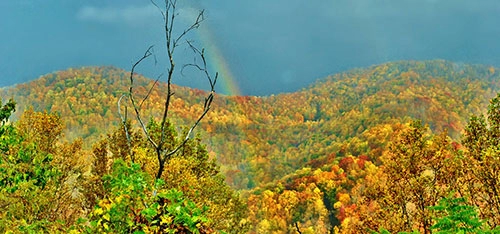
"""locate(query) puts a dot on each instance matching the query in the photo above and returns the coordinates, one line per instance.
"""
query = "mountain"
(259, 140)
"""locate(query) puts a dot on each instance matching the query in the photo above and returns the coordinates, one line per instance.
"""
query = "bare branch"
(207, 104)
(203, 67)
(124, 119)
(145, 56)
(200, 18)
(150, 90)
(132, 99)
(161, 11)
(163, 153)
(297, 228)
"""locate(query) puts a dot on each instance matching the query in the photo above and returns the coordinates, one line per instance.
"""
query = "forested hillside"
(260, 139)
(317, 160)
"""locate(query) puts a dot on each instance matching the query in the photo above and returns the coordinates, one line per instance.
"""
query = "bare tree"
(172, 41)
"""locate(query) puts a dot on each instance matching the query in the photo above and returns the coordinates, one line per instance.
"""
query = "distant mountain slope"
(260, 139)
(87, 98)
(284, 132)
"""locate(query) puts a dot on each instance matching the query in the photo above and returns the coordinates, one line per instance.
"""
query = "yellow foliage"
(263, 226)
(317, 191)
(98, 211)
(165, 219)
(344, 198)
(337, 205)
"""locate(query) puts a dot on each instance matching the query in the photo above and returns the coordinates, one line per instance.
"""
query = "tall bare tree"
(173, 39)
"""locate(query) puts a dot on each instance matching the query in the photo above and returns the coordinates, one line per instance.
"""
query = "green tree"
(38, 185)
(455, 216)
(6, 111)
(137, 203)
(482, 157)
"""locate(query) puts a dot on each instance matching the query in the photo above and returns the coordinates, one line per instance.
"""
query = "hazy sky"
(270, 46)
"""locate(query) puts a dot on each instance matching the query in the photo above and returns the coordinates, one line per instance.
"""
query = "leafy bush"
(138, 204)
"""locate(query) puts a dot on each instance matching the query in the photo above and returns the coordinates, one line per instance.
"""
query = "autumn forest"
(398, 147)
(409, 146)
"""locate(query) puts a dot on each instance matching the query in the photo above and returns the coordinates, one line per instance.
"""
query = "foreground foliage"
(49, 186)
(138, 204)
(38, 177)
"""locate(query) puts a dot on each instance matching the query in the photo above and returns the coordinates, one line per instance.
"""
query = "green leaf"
(149, 212)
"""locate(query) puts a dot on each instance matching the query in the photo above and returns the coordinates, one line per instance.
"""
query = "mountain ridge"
(260, 139)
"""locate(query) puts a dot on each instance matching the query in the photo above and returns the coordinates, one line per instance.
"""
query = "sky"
(259, 47)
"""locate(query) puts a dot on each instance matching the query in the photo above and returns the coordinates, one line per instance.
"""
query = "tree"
(191, 172)
(482, 150)
(163, 145)
(421, 168)
(132, 205)
(179, 160)
(455, 216)
(6, 111)
(38, 178)
(418, 169)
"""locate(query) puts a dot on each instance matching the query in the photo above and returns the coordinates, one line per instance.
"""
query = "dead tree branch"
(297, 228)
(132, 99)
(124, 120)
(150, 90)
(163, 153)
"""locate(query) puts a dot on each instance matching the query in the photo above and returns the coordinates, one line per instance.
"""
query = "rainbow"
(217, 62)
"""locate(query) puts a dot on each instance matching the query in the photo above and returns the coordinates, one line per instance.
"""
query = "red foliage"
(456, 145)
(345, 162)
(361, 163)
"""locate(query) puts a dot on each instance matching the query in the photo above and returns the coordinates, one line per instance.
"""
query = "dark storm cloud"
(271, 46)
(311, 39)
